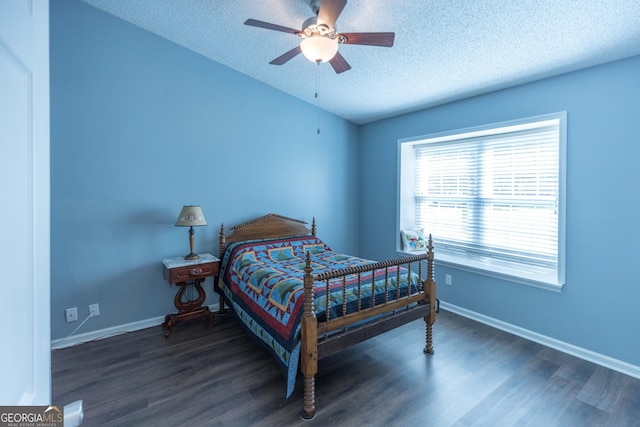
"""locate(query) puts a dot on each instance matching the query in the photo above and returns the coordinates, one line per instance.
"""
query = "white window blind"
(494, 194)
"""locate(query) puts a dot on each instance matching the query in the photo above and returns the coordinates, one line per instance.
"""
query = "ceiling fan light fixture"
(319, 49)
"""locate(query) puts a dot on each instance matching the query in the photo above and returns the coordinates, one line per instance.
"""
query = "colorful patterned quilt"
(263, 282)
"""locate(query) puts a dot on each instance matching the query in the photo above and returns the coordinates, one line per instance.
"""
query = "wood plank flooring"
(217, 376)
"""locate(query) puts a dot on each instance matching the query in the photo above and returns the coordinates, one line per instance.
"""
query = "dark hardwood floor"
(479, 376)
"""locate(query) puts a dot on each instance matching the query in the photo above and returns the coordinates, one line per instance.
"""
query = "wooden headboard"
(270, 226)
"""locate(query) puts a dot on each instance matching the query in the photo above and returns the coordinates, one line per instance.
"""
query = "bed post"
(430, 288)
(313, 227)
(222, 239)
(221, 310)
(309, 344)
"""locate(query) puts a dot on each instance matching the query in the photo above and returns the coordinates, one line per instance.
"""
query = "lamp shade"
(191, 216)
(319, 48)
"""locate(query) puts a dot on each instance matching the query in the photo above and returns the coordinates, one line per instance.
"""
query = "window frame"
(506, 270)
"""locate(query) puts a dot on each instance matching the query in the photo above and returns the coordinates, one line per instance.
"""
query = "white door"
(25, 330)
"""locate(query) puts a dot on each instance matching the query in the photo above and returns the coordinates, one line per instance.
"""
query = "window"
(492, 197)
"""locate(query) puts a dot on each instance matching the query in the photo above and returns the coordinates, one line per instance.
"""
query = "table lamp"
(191, 216)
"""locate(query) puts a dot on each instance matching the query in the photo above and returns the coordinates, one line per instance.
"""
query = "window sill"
(525, 275)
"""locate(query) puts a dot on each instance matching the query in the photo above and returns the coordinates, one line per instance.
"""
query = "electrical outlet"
(448, 279)
(94, 310)
(71, 314)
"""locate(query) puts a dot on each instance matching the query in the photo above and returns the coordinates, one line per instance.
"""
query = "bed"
(303, 302)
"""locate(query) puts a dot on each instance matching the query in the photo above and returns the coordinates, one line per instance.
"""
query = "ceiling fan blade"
(370, 39)
(286, 56)
(269, 26)
(329, 12)
(339, 64)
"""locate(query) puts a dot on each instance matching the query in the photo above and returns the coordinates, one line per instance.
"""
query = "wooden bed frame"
(317, 343)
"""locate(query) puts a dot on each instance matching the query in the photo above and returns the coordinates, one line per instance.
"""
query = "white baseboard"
(114, 330)
(582, 353)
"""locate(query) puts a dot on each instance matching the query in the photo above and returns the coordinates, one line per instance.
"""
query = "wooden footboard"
(367, 322)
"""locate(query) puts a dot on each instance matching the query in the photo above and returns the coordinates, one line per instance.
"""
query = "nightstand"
(186, 273)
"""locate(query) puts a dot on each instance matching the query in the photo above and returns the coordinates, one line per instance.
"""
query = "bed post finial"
(430, 258)
(313, 227)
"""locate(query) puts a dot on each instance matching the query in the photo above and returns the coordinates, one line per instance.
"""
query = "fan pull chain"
(317, 100)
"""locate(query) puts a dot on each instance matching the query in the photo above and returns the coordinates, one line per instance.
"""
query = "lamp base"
(192, 256)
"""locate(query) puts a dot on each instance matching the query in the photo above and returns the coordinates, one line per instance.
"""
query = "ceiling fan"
(320, 39)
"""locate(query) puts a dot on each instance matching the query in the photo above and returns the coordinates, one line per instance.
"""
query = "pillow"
(314, 249)
(281, 254)
(413, 240)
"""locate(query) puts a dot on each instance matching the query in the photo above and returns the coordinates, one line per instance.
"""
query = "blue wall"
(598, 307)
(141, 127)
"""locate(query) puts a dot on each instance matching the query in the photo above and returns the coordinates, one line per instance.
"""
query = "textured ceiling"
(444, 49)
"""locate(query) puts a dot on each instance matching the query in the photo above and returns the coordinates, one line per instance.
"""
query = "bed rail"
(374, 309)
